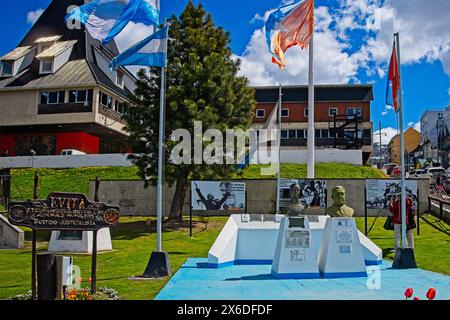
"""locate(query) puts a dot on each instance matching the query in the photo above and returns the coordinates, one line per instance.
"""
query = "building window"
(7, 68)
(54, 97)
(300, 134)
(119, 107)
(80, 96)
(260, 113)
(119, 79)
(366, 133)
(46, 66)
(317, 133)
(284, 113)
(106, 100)
(292, 134)
(306, 113)
(284, 134)
(325, 133)
(355, 112)
(43, 47)
(333, 112)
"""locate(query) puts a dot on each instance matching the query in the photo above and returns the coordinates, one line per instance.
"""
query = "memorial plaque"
(63, 211)
(296, 222)
(297, 239)
(345, 249)
(344, 236)
(297, 256)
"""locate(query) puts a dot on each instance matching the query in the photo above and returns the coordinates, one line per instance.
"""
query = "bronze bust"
(339, 209)
(295, 208)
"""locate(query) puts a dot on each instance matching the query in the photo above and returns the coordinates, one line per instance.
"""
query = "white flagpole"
(161, 148)
(311, 130)
(402, 144)
(280, 105)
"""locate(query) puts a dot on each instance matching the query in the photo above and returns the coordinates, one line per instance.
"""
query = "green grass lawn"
(77, 180)
(133, 241)
(323, 170)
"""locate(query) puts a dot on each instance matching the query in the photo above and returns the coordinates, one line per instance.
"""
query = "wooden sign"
(63, 211)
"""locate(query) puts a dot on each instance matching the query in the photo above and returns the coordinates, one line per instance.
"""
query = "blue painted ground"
(194, 281)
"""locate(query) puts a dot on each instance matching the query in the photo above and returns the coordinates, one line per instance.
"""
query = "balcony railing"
(323, 142)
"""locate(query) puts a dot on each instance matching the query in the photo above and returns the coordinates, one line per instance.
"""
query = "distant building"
(342, 116)
(412, 141)
(57, 91)
(375, 158)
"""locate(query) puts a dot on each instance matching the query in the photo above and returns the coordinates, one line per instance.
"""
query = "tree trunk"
(176, 210)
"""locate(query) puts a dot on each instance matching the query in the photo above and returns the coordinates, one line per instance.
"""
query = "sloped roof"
(17, 53)
(56, 49)
(48, 39)
(74, 73)
(323, 92)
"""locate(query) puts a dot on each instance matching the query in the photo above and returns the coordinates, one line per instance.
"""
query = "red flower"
(89, 279)
(416, 298)
(409, 292)
(431, 294)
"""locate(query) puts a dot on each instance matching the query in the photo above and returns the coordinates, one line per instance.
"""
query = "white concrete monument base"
(341, 253)
(295, 256)
(82, 245)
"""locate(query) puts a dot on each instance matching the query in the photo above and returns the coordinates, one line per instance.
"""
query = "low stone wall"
(135, 200)
(11, 236)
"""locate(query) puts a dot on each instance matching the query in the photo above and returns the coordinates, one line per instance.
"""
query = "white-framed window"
(119, 107)
(119, 78)
(80, 96)
(284, 113)
(300, 134)
(306, 113)
(46, 66)
(260, 113)
(52, 97)
(284, 134)
(106, 100)
(324, 133)
(7, 68)
(333, 112)
(355, 112)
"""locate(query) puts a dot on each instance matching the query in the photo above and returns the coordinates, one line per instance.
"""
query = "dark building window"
(317, 133)
(292, 134)
(80, 96)
(7, 68)
(333, 112)
(366, 133)
(260, 113)
(106, 100)
(325, 133)
(119, 107)
(284, 134)
(53, 97)
(300, 134)
(354, 112)
(306, 112)
(285, 113)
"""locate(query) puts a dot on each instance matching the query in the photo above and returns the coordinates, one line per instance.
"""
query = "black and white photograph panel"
(218, 196)
(313, 193)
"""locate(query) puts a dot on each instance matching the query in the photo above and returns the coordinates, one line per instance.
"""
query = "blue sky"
(353, 40)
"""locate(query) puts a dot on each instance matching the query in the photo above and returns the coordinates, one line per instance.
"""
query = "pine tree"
(202, 85)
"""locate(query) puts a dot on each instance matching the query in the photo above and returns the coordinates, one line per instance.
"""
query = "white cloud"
(448, 91)
(32, 16)
(386, 135)
(424, 36)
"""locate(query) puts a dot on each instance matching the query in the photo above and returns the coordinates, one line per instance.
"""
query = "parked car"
(419, 173)
(389, 167)
(71, 152)
(435, 171)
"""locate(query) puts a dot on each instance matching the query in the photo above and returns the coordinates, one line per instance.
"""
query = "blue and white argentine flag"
(152, 51)
(105, 19)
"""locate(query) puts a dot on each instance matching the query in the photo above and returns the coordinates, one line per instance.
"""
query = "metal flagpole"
(311, 131)
(160, 186)
(402, 144)
(280, 105)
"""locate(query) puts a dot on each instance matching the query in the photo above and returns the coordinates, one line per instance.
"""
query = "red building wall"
(297, 110)
(77, 140)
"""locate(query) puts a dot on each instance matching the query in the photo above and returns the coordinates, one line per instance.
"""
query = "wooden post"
(94, 244)
(33, 242)
(97, 187)
(94, 263)
(365, 212)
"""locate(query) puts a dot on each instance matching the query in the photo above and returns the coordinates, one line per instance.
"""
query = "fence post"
(97, 187)
(33, 241)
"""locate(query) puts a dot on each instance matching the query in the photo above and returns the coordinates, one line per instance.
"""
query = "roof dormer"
(45, 43)
(54, 56)
(15, 61)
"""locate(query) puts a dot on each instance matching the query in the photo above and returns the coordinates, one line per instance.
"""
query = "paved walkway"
(194, 281)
